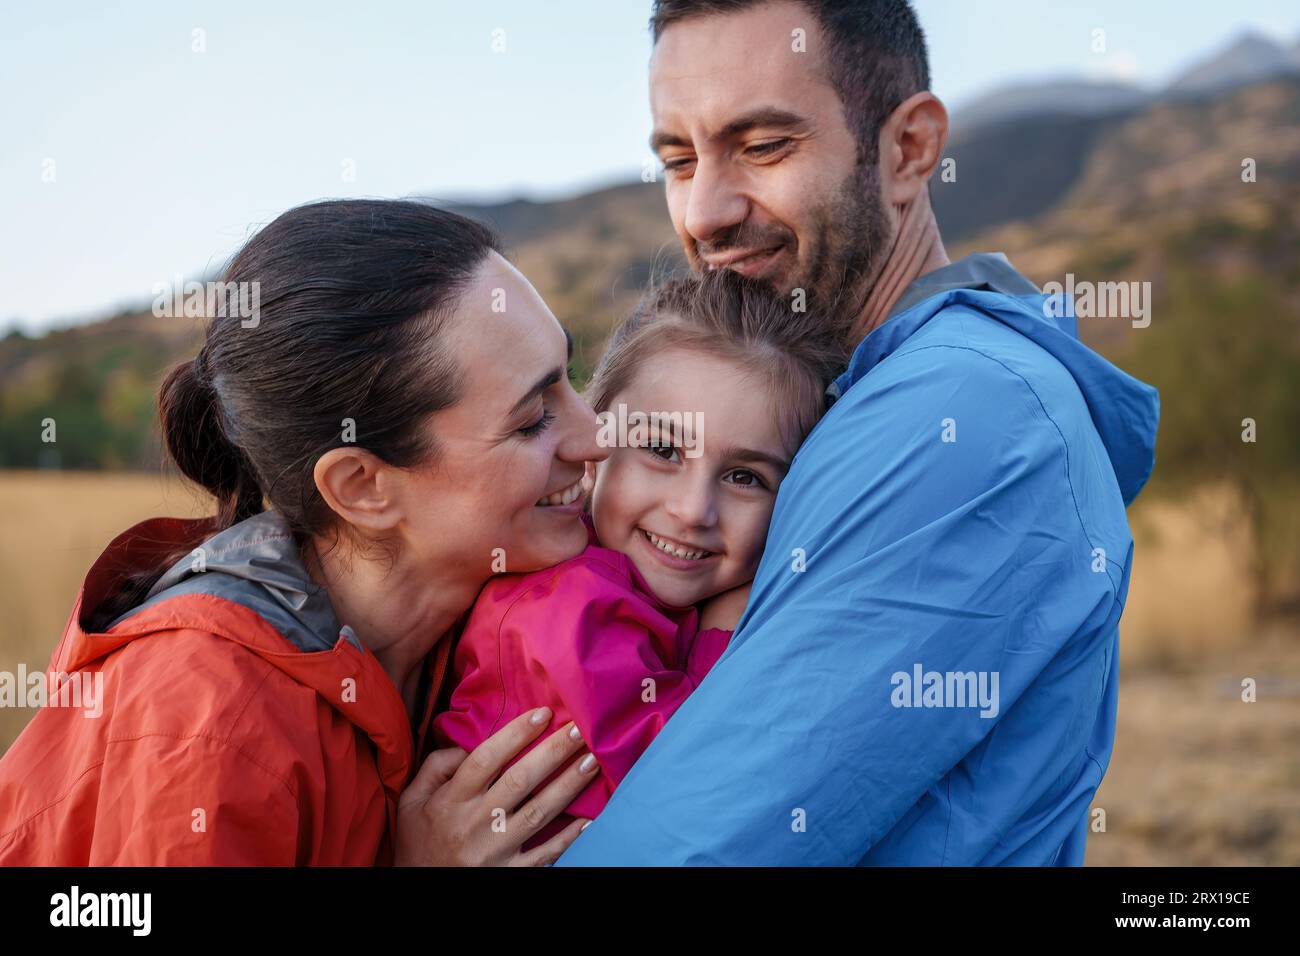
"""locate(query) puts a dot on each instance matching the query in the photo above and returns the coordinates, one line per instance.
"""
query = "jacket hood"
(247, 584)
(256, 563)
(1124, 411)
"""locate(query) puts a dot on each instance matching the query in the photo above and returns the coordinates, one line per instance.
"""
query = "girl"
(713, 383)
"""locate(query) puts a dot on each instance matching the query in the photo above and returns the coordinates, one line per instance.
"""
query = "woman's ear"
(911, 146)
(359, 488)
(589, 478)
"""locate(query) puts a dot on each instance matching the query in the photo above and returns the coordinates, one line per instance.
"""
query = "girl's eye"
(745, 478)
(539, 426)
(662, 452)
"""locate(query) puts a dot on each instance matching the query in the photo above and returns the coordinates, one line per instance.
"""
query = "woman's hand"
(463, 811)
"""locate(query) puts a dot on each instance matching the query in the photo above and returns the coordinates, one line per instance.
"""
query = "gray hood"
(256, 563)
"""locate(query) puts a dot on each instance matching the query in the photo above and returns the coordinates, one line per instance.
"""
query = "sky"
(141, 140)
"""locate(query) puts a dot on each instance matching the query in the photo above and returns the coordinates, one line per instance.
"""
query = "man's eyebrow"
(759, 117)
(762, 116)
(660, 138)
(546, 381)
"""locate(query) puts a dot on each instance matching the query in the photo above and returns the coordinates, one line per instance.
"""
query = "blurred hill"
(1159, 197)
(1119, 188)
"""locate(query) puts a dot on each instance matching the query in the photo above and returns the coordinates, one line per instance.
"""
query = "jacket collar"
(985, 271)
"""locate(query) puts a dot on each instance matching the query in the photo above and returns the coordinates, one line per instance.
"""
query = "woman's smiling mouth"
(562, 498)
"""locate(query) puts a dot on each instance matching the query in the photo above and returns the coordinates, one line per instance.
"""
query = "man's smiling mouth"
(748, 264)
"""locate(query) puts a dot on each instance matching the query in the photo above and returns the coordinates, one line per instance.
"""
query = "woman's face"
(693, 526)
(504, 491)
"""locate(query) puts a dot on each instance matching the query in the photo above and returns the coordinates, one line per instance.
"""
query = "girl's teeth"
(562, 497)
(673, 549)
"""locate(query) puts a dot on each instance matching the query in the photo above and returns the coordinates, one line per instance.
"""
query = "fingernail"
(575, 733)
(584, 826)
(588, 763)
(540, 716)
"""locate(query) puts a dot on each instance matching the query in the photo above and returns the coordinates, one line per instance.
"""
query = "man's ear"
(589, 477)
(359, 488)
(911, 146)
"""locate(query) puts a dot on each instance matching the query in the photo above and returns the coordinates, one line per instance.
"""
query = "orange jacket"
(223, 739)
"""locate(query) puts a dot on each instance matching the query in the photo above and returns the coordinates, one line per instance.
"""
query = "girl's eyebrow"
(749, 454)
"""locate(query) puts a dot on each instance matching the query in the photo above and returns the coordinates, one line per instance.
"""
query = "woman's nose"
(580, 435)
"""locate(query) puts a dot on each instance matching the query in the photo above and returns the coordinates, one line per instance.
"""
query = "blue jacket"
(926, 672)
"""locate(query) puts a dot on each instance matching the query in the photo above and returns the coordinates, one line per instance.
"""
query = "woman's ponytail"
(190, 412)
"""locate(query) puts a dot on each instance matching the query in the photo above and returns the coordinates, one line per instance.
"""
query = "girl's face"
(693, 526)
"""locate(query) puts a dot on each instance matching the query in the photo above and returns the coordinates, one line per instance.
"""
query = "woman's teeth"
(562, 497)
(675, 550)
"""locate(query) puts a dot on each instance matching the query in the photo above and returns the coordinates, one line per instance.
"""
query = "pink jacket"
(588, 639)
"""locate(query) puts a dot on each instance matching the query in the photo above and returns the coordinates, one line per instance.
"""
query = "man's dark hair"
(875, 53)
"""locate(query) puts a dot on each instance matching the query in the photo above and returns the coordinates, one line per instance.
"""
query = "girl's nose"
(692, 502)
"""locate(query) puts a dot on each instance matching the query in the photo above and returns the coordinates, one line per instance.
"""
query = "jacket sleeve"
(196, 801)
(599, 652)
(890, 549)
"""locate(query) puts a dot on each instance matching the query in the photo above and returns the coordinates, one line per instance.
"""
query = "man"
(926, 669)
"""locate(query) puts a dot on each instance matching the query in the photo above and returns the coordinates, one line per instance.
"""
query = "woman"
(401, 404)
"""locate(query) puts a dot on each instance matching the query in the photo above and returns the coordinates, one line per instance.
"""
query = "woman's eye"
(539, 426)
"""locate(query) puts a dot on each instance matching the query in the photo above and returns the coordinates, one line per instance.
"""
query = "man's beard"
(848, 252)
(845, 252)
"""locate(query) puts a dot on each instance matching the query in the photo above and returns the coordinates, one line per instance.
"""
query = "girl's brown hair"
(793, 353)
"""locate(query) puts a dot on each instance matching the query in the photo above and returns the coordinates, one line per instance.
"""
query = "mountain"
(1251, 58)
(1067, 96)
(1149, 193)
(589, 256)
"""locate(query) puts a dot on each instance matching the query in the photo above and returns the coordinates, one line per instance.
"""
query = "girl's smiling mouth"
(675, 555)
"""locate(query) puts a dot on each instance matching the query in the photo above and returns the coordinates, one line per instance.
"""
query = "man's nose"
(714, 205)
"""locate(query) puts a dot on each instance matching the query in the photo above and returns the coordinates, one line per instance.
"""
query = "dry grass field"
(1198, 776)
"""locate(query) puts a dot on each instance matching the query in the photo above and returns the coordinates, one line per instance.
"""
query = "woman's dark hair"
(344, 348)
(792, 352)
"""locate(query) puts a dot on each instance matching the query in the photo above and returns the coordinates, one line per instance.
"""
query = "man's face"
(762, 169)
